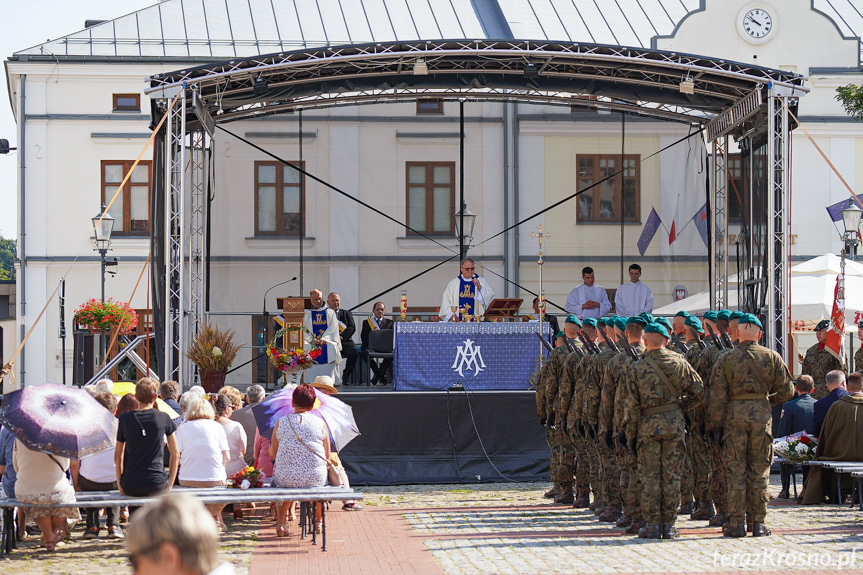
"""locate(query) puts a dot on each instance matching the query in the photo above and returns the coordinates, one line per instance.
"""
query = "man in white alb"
(467, 292)
(588, 299)
(323, 325)
(633, 297)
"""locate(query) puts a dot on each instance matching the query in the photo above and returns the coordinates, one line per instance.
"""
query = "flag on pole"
(835, 335)
(835, 211)
(650, 227)
(672, 232)
(700, 219)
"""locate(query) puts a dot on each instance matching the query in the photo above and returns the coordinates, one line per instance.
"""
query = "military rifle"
(545, 344)
(679, 344)
(701, 344)
(629, 349)
(608, 340)
(586, 345)
(570, 344)
(716, 341)
(726, 339)
(594, 349)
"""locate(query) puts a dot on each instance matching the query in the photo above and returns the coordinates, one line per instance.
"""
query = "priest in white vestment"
(323, 325)
(633, 297)
(467, 292)
(588, 299)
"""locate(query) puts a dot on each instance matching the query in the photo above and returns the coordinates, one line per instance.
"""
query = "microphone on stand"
(266, 313)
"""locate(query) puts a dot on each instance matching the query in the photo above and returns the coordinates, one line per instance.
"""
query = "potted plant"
(213, 350)
(98, 316)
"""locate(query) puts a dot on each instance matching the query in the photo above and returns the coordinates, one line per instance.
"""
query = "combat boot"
(565, 497)
(686, 507)
(553, 492)
(635, 527)
(718, 520)
(624, 521)
(582, 502)
(738, 531)
(611, 514)
(650, 532)
(593, 505)
(670, 531)
(706, 511)
(760, 530)
(600, 509)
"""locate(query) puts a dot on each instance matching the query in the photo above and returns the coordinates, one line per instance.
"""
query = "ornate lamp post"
(851, 221)
(103, 225)
(464, 222)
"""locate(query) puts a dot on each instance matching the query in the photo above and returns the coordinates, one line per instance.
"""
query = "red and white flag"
(835, 335)
(672, 232)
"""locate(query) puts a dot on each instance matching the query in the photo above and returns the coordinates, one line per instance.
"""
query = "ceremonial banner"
(700, 219)
(436, 356)
(650, 228)
(835, 210)
(835, 335)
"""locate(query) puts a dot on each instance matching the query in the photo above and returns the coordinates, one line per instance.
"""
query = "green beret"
(604, 321)
(682, 313)
(724, 314)
(636, 320)
(647, 317)
(694, 322)
(711, 315)
(620, 323)
(735, 315)
(591, 322)
(656, 328)
(560, 334)
(663, 321)
(749, 318)
(823, 324)
(573, 319)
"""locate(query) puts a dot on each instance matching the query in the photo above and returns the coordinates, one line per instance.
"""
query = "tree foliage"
(8, 255)
(851, 97)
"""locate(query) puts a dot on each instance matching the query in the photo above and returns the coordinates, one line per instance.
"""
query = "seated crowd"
(213, 438)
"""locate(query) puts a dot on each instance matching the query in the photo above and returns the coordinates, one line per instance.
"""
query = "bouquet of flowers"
(797, 447)
(291, 360)
(246, 478)
(213, 348)
(97, 315)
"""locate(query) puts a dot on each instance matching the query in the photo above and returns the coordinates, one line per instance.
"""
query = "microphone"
(266, 293)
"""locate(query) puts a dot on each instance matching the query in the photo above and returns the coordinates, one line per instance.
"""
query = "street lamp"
(851, 220)
(464, 233)
(103, 224)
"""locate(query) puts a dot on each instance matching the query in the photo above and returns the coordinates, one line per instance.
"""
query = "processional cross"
(540, 236)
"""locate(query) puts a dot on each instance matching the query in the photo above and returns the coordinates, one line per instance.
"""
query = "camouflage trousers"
(718, 477)
(749, 453)
(554, 462)
(565, 470)
(699, 468)
(661, 462)
(581, 467)
(610, 474)
(630, 482)
(687, 475)
(592, 458)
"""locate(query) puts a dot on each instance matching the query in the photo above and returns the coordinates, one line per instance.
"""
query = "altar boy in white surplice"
(323, 324)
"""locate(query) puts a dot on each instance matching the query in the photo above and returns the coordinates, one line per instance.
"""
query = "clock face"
(757, 23)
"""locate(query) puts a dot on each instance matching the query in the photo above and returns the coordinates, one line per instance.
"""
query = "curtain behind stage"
(445, 437)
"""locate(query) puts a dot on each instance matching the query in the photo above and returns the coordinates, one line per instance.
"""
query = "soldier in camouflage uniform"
(611, 427)
(858, 356)
(544, 412)
(820, 359)
(575, 373)
(696, 442)
(563, 476)
(609, 476)
(746, 381)
(660, 387)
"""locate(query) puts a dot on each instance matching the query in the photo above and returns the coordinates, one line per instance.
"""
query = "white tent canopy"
(811, 297)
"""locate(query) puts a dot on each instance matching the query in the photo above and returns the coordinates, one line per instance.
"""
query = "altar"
(476, 356)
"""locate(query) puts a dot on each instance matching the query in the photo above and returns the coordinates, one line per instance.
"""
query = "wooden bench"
(204, 495)
(840, 468)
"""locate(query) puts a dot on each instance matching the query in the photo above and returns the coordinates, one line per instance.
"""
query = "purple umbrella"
(58, 419)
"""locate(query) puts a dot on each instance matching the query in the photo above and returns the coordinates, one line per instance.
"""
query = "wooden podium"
(292, 312)
(500, 309)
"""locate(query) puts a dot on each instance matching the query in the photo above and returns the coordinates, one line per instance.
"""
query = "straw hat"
(325, 383)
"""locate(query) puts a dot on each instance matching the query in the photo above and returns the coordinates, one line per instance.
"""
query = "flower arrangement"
(94, 314)
(796, 447)
(291, 360)
(213, 349)
(246, 478)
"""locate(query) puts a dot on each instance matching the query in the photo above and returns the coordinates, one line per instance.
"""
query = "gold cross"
(539, 237)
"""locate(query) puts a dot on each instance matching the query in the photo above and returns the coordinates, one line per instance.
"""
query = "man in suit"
(835, 383)
(796, 416)
(377, 321)
(347, 329)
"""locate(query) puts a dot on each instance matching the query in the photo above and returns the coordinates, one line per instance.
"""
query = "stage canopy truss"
(727, 99)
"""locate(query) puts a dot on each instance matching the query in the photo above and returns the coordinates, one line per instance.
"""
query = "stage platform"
(443, 437)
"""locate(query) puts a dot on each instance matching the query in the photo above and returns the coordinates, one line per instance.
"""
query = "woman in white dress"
(300, 449)
(234, 431)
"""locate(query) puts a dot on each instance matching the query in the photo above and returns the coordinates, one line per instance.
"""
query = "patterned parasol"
(59, 419)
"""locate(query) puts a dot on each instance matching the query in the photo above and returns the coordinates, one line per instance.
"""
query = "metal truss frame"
(198, 193)
(719, 224)
(175, 196)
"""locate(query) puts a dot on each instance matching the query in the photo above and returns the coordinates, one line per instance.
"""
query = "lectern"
(292, 312)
